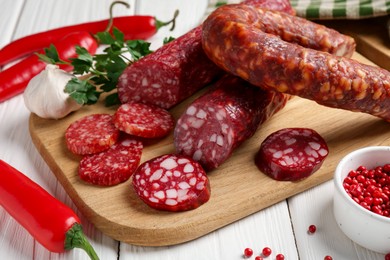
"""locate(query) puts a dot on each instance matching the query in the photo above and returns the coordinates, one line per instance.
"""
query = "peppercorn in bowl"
(361, 200)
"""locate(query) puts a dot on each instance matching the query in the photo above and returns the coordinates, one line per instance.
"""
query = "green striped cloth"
(348, 9)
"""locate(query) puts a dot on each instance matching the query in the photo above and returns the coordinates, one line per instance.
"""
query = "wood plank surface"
(238, 188)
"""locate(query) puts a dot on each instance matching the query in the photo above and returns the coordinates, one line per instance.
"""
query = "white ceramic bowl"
(362, 226)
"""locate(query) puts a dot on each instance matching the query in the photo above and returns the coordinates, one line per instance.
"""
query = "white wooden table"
(282, 227)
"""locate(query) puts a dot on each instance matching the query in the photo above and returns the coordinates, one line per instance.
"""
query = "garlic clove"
(45, 95)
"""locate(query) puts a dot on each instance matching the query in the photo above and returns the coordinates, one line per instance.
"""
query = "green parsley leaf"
(112, 99)
(82, 91)
(138, 48)
(105, 38)
(101, 61)
(84, 61)
(51, 56)
(52, 53)
(220, 3)
(104, 68)
(168, 39)
(119, 36)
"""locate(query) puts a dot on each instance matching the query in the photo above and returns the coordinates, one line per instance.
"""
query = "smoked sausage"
(215, 124)
(277, 5)
(170, 74)
(178, 69)
(293, 58)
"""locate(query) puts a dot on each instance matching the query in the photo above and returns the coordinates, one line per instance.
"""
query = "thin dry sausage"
(237, 39)
(277, 5)
(235, 27)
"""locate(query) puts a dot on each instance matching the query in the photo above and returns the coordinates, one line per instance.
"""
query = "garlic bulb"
(45, 94)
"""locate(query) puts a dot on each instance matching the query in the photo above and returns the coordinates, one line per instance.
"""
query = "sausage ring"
(292, 55)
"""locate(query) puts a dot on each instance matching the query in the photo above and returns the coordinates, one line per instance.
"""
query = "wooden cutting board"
(238, 189)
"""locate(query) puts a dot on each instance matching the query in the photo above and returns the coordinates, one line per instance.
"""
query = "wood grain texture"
(328, 239)
(20, 18)
(271, 226)
(315, 206)
(9, 19)
(238, 188)
(268, 227)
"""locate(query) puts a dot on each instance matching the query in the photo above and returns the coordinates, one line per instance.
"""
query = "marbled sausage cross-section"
(172, 182)
(215, 124)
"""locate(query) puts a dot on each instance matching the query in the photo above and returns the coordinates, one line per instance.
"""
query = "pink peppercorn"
(266, 251)
(248, 252)
(370, 188)
(312, 229)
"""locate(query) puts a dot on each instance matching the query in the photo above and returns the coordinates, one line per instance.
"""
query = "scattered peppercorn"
(312, 229)
(266, 251)
(248, 252)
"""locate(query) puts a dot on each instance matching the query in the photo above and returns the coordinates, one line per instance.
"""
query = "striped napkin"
(346, 9)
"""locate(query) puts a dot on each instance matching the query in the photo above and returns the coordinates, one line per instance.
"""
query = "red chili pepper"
(14, 80)
(48, 220)
(133, 27)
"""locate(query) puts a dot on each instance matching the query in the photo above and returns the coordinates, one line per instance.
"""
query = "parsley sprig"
(220, 3)
(96, 74)
(99, 73)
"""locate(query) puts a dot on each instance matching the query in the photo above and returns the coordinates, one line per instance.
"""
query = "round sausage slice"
(172, 182)
(291, 154)
(113, 166)
(91, 134)
(143, 120)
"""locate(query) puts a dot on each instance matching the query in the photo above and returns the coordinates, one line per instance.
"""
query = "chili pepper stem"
(111, 20)
(75, 238)
(160, 24)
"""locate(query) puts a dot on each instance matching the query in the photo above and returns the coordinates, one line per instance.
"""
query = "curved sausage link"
(234, 38)
(277, 5)
(244, 20)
